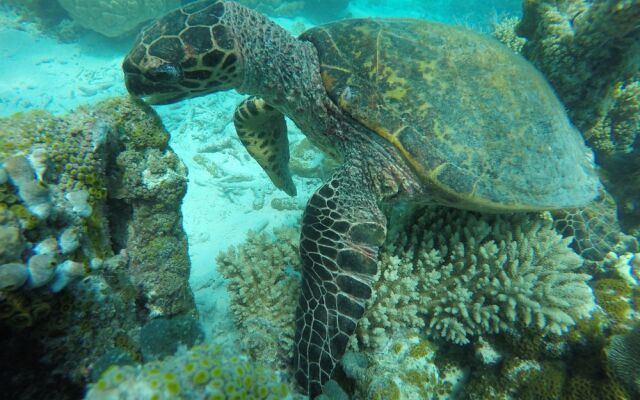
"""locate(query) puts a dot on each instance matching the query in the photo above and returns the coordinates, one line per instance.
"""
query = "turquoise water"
(476, 236)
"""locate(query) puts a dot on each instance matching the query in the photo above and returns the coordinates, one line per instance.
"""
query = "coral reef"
(577, 372)
(39, 206)
(509, 285)
(617, 291)
(147, 184)
(198, 373)
(588, 51)
(457, 274)
(263, 282)
(162, 337)
(92, 243)
(114, 18)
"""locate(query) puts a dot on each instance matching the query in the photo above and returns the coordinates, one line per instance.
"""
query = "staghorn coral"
(114, 18)
(198, 373)
(264, 288)
(457, 274)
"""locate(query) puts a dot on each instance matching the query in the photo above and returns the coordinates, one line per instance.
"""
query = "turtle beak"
(134, 84)
(153, 94)
(161, 99)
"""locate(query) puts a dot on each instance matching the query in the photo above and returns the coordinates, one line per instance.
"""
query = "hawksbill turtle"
(416, 112)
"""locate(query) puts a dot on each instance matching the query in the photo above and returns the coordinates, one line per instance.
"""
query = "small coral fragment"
(30, 190)
(12, 276)
(66, 273)
(42, 267)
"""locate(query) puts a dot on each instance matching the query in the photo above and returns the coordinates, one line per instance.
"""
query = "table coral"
(458, 274)
(115, 18)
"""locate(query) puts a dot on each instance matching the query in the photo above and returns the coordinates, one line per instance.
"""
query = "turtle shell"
(478, 123)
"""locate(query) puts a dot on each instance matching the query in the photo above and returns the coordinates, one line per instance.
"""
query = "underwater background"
(145, 255)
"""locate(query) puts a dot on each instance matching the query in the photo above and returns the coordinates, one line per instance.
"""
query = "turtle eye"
(165, 73)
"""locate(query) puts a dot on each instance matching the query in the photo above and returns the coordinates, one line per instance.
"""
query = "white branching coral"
(505, 32)
(458, 274)
(263, 285)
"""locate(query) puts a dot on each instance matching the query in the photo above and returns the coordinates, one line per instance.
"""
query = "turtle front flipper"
(342, 229)
(263, 131)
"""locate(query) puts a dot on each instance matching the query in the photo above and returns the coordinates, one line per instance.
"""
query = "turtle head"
(189, 52)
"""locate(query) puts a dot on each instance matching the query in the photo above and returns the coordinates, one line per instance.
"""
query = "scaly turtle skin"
(417, 112)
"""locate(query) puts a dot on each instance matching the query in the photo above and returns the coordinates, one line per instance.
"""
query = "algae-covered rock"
(46, 13)
(115, 18)
(92, 242)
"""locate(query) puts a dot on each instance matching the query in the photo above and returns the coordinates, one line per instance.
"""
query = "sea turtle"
(416, 112)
